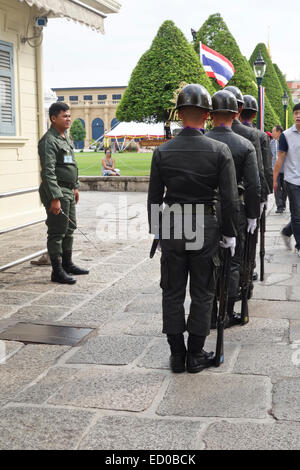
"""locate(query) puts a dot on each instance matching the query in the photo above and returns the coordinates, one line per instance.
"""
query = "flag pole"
(200, 44)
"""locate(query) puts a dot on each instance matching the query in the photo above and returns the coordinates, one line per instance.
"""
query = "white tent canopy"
(139, 129)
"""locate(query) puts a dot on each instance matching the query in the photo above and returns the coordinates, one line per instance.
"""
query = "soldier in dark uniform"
(248, 113)
(187, 172)
(59, 191)
(250, 134)
(225, 109)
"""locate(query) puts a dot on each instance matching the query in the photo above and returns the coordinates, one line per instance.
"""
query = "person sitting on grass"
(108, 165)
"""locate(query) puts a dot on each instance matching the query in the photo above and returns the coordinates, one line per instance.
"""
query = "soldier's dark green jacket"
(58, 166)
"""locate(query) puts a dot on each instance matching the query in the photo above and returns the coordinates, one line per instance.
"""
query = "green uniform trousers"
(60, 230)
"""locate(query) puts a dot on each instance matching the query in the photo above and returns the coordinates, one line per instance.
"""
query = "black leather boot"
(178, 353)
(197, 358)
(69, 266)
(232, 318)
(58, 273)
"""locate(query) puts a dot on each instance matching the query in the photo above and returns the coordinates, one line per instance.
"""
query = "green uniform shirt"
(58, 163)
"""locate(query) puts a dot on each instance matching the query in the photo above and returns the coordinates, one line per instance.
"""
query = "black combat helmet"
(224, 100)
(250, 103)
(237, 93)
(194, 95)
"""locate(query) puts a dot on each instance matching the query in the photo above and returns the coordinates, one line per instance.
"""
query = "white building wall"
(19, 161)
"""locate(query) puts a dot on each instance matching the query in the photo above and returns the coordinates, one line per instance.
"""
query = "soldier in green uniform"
(59, 192)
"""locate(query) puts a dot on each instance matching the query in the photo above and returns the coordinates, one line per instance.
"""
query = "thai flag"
(216, 65)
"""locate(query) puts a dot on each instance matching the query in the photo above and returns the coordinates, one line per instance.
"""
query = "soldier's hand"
(76, 194)
(252, 223)
(55, 206)
(275, 184)
(229, 242)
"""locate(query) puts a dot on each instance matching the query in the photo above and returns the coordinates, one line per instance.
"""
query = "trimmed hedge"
(274, 90)
(170, 60)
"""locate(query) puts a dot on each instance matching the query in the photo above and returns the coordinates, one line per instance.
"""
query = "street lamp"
(285, 101)
(259, 70)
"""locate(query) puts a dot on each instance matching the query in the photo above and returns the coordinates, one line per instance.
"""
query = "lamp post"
(285, 101)
(259, 70)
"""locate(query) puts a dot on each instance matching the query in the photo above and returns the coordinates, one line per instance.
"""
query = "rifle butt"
(244, 308)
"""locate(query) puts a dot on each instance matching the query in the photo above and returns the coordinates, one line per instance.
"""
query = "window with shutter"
(7, 101)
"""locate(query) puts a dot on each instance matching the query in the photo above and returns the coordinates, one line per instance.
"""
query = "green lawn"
(129, 164)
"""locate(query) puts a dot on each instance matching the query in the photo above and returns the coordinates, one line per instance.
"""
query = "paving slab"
(24, 367)
(120, 323)
(90, 315)
(277, 278)
(113, 350)
(61, 300)
(83, 286)
(24, 428)
(157, 357)
(286, 399)
(259, 330)
(216, 395)
(110, 389)
(294, 294)
(8, 348)
(39, 392)
(273, 309)
(261, 359)
(295, 331)
(270, 293)
(252, 436)
(145, 325)
(137, 433)
(6, 311)
(33, 313)
(146, 303)
(17, 298)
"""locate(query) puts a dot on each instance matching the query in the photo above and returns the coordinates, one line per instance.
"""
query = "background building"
(294, 87)
(95, 107)
(22, 117)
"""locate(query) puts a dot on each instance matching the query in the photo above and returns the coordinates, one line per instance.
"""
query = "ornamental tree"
(215, 34)
(77, 131)
(271, 82)
(170, 60)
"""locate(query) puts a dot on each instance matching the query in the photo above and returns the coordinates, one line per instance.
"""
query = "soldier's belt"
(64, 184)
(209, 209)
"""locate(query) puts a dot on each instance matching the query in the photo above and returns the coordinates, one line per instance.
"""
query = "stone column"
(88, 137)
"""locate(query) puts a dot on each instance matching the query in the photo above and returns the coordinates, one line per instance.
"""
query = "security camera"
(41, 22)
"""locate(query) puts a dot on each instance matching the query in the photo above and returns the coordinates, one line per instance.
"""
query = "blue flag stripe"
(217, 68)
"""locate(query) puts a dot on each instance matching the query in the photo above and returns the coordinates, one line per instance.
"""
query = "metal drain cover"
(44, 334)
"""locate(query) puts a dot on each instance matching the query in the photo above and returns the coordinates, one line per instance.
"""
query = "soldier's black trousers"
(177, 264)
(237, 260)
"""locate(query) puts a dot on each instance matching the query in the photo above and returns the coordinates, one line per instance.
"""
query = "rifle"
(262, 244)
(154, 247)
(224, 281)
(245, 279)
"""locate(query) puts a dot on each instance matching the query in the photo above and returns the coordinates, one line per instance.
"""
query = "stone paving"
(114, 390)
